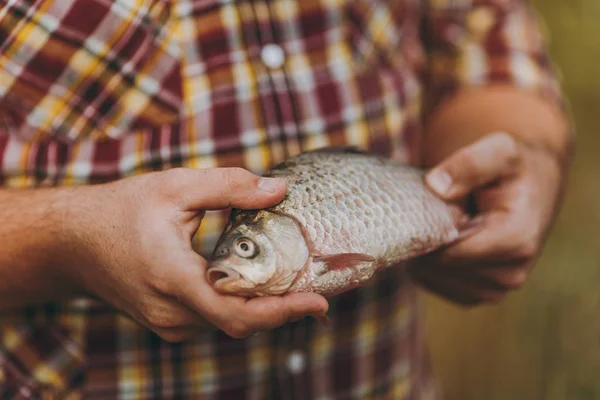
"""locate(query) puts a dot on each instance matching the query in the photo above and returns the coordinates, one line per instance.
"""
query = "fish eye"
(245, 248)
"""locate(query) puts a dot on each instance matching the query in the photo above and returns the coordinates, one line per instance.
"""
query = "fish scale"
(392, 197)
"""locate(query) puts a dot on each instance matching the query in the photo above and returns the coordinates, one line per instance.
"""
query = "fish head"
(258, 254)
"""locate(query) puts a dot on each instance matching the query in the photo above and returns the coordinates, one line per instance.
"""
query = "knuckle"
(237, 329)
(465, 165)
(234, 177)
(161, 320)
(508, 142)
(468, 303)
(165, 183)
(171, 336)
(504, 139)
(204, 174)
(173, 172)
(509, 147)
(490, 300)
(169, 176)
(483, 298)
(161, 284)
(495, 297)
(527, 250)
(513, 158)
(515, 280)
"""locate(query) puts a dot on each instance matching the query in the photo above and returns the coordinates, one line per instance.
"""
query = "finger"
(481, 163)
(500, 237)
(507, 277)
(455, 289)
(239, 317)
(495, 277)
(172, 314)
(174, 333)
(271, 312)
(437, 288)
(221, 188)
(180, 334)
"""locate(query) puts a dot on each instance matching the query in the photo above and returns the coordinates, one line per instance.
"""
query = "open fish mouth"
(222, 277)
(226, 280)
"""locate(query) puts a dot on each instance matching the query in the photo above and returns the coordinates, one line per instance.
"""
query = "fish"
(346, 215)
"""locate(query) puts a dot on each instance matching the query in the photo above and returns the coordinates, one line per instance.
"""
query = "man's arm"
(489, 70)
(498, 139)
(35, 246)
(129, 244)
(472, 113)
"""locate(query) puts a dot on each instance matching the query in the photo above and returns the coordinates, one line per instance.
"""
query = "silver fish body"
(345, 216)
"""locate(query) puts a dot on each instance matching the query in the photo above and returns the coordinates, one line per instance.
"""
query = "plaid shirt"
(96, 90)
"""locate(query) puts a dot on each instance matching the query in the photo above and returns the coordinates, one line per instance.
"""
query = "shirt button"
(273, 56)
(296, 362)
(25, 391)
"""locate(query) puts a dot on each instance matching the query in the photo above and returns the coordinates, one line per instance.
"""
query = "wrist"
(38, 258)
(75, 213)
(64, 223)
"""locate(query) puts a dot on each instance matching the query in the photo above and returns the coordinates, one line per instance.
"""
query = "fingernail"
(439, 180)
(268, 184)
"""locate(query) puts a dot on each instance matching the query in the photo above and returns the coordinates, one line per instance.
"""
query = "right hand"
(131, 243)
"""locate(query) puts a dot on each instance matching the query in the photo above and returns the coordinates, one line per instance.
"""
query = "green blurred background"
(544, 341)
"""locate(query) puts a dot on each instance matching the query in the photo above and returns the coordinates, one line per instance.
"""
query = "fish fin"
(344, 260)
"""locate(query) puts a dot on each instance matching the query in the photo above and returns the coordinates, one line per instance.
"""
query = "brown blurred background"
(543, 343)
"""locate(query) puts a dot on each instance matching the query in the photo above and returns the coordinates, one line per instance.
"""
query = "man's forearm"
(33, 246)
(471, 114)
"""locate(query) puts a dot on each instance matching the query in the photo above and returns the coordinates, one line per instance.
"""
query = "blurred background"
(544, 341)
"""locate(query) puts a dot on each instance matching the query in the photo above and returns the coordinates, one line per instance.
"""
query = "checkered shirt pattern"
(95, 90)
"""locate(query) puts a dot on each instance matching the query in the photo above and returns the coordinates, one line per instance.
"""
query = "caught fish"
(346, 215)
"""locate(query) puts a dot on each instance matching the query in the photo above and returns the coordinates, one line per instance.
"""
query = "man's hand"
(129, 243)
(515, 189)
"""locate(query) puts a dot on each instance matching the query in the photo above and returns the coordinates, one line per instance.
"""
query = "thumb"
(220, 188)
(485, 161)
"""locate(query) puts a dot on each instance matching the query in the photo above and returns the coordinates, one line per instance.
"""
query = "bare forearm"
(34, 246)
(471, 114)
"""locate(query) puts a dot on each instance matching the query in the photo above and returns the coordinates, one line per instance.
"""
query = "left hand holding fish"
(515, 188)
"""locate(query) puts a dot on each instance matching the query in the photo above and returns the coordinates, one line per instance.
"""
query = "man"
(129, 128)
